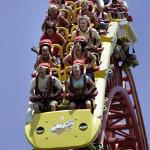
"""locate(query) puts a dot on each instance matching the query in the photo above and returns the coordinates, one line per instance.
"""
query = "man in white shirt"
(44, 88)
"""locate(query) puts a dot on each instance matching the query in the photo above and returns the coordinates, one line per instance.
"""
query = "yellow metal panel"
(68, 135)
(112, 30)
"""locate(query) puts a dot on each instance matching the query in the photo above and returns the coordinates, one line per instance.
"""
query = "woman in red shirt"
(79, 52)
(55, 37)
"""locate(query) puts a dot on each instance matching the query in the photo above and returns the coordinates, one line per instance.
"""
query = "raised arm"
(67, 60)
(92, 85)
(93, 59)
(37, 62)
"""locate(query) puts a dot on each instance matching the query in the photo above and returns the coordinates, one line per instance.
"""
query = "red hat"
(80, 38)
(45, 42)
(78, 61)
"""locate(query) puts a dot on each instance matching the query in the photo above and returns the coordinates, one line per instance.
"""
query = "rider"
(87, 9)
(122, 53)
(44, 91)
(81, 89)
(62, 4)
(97, 18)
(101, 20)
(55, 37)
(119, 7)
(54, 16)
(79, 52)
(85, 30)
(44, 56)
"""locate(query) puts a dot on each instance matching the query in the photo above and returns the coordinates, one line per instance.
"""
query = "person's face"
(42, 73)
(85, 7)
(77, 47)
(53, 12)
(45, 50)
(76, 72)
(125, 45)
(83, 25)
(58, 2)
(50, 32)
(118, 1)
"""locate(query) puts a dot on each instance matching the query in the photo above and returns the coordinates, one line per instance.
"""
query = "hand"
(37, 96)
(52, 95)
(90, 66)
(71, 94)
(86, 92)
(86, 65)
(91, 46)
(106, 6)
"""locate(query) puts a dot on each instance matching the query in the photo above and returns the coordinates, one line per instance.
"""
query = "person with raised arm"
(90, 33)
(52, 34)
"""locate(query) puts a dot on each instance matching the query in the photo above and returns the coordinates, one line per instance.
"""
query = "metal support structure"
(122, 125)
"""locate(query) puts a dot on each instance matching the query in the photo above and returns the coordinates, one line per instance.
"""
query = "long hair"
(50, 25)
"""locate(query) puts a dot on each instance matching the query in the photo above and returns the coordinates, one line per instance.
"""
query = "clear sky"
(20, 29)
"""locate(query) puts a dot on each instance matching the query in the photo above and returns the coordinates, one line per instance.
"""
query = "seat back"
(60, 50)
(76, 13)
(64, 32)
(66, 14)
(56, 72)
(69, 47)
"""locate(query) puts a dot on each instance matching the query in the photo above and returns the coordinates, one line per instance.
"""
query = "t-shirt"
(43, 83)
(56, 82)
(56, 39)
(95, 34)
(77, 84)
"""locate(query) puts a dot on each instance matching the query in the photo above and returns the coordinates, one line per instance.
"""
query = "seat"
(77, 4)
(56, 72)
(59, 56)
(67, 71)
(110, 17)
(69, 47)
(66, 14)
(70, 3)
(64, 32)
(74, 28)
(76, 13)
(60, 50)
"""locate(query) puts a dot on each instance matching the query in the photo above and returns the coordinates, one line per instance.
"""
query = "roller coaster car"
(62, 129)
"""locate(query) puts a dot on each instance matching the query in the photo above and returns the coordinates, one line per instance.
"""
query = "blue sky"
(20, 29)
